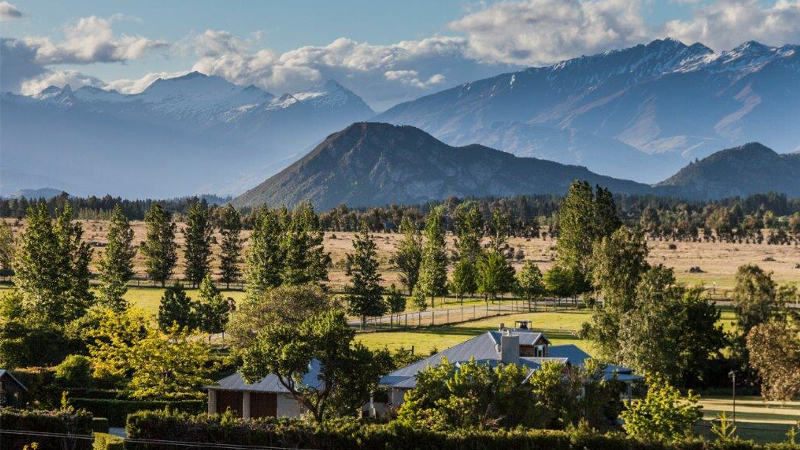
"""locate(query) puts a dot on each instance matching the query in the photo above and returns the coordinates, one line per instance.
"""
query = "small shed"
(11, 389)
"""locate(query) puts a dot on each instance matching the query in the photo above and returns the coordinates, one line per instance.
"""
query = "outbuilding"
(11, 389)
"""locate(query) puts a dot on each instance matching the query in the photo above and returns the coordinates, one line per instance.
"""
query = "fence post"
(448, 316)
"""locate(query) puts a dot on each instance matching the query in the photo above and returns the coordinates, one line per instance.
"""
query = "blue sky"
(384, 51)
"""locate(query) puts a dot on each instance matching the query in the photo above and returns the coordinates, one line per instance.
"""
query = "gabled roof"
(269, 383)
(4, 372)
(485, 348)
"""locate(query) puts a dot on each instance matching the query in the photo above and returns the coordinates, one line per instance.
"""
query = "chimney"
(509, 349)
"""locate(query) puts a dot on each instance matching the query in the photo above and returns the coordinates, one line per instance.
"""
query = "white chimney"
(509, 349)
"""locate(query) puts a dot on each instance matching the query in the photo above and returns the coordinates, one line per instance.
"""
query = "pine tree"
(159, 248)
(408, 256)
(364, 294)
(6, 249)
(212, 311)
(305, 258)
(198, 235)
(116, 265)
(175, 309)
(433, 268)
(231, 246)
(51, 267)
(265, 256)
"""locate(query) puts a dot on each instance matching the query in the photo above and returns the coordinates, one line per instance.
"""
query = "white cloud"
(545, 31)
(9, 12)
(411, 77)
(137, 85)
(727, 23)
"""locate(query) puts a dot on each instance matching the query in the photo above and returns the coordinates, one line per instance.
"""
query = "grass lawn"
(560, 328)
(756, 419)
(148, 298)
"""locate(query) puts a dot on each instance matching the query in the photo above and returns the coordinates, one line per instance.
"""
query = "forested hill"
(370, 164)
(736, 172)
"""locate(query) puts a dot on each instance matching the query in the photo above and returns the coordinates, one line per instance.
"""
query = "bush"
(41, 386)
(100, 425)
(116, 410)
(75, 370)
(78, 423)
(105, 441)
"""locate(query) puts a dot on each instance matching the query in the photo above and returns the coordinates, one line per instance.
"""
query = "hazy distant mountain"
(43, 193)
(641, 112)
(180, 136)
(370, 164)
(741, 171)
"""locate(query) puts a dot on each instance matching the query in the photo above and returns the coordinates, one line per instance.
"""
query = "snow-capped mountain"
(184, 135)
(640, 112)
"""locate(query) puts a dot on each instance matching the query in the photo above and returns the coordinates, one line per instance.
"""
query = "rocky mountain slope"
(641, 112)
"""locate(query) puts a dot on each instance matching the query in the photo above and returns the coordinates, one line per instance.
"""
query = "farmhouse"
(518, 345)
(265, 398)
(11, 390)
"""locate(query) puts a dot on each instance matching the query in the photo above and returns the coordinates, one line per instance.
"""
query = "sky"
(384, 51)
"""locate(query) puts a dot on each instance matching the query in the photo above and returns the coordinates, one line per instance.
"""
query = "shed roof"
(4, 372)
(269, 383)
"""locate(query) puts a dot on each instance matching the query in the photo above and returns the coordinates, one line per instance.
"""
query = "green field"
(756, 419)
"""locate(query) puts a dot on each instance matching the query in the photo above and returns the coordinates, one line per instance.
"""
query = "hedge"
(105, 441)
(116, 410)
(100, 425)
(351, 435)
(77, 423)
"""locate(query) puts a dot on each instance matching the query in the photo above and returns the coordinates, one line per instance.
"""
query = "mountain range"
(185, 135)
(641, 112)
(376, 164)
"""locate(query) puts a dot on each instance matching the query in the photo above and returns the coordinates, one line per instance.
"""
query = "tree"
(364, 294)
(116, 264)
(463, 281)
(663, 415)
(396, 302)
(530, 283)
(347, 371)
(558, 281)
(408, 256)
(419, 299)
(231, 246)
(286, 304)
(577, 227)
(198, 237)
(211, 310)
(265, 256)
(433, 268)
(469, 231)
(159, 248)
(305, 260)
(754, 297)
(51, 267)
(495, 274)
(6, 249)
(111, 341)
(606, 216)
(175, 309)
(774, 349)
(498, 231)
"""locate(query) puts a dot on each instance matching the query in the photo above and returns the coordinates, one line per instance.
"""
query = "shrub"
(100, 424)
(116, 410)
(75, 370)
(77, 423)
(105, 441)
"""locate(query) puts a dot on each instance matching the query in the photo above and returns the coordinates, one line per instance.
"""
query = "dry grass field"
(718, 261)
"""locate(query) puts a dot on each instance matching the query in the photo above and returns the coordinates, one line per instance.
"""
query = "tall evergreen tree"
(211, 310)
(433, 268)
(159, 248)
(408, 255)
(175, 309)
(231, 246)
(6, 249)
(265, 256)
(198, 237)
(364, 294)
(116, 264)
(606, 216)
(305, 257)
(577, 227)
(51, 267)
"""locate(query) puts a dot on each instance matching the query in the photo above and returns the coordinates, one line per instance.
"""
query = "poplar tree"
(198, 236)
(159, 248)
(530, 283)
(408, 255)
(364, 294)
(6, 249)
(265, 256)
(305, 260)
(433, 268)
(469, 231)
(464, 278)
(396, 302)
(116, 264)
(231, 246)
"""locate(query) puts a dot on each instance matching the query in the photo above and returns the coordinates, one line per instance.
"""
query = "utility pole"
(732, 375)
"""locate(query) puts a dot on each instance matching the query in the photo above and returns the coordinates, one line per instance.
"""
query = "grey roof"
(4, 372)
(269, 383)
(485, 348)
